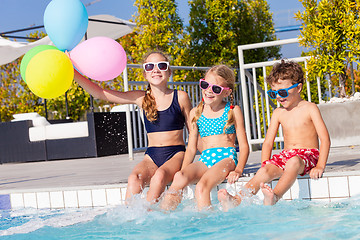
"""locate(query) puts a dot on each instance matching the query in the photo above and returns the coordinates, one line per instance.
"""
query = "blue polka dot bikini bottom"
(212, 156)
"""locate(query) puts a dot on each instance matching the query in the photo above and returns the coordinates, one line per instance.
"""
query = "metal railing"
(251, 110)
(249, 94)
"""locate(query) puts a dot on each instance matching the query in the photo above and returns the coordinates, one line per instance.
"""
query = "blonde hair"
(149, 103)
(228, 76)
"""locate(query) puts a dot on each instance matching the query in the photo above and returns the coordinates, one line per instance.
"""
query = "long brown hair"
(149, 103)
(228, 75)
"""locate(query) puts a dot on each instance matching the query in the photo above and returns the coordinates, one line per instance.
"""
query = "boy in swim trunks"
(302, 126)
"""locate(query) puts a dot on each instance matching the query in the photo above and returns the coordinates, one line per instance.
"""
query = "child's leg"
(264, 174)
(214, 176)
(190, 174)
(164, 175)
(139, 177)
(293, 167)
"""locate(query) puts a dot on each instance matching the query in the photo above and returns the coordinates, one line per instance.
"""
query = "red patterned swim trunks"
(310, 156)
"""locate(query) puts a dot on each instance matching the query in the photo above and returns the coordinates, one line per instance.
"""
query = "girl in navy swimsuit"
(219, 124)
(166, 114)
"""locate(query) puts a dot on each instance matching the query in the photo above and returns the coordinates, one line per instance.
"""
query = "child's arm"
(271, 133)
(131, 97)
(323, 135)
(192, 144)
(233, 176)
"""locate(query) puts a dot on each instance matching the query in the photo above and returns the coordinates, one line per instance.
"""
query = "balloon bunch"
(49, 72)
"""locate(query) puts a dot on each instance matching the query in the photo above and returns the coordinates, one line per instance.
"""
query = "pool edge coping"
(124, 185)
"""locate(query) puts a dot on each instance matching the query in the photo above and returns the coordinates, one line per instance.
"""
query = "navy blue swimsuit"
(167, 120)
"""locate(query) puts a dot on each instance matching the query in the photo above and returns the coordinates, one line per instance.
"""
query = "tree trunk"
(352, 78)
(342, 85)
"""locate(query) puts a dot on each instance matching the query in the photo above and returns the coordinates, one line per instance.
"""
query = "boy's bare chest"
(296, 120)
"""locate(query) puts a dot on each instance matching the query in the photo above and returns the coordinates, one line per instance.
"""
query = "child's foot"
(227, 201)
(171, 200)
(270, 197)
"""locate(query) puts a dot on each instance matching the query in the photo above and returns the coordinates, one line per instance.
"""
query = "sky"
(18, 14)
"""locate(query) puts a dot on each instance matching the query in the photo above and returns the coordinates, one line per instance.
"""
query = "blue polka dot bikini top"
(215, 126)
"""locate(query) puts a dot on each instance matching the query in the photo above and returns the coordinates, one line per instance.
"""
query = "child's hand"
(316, 172)
(67, 53)
(233, 177)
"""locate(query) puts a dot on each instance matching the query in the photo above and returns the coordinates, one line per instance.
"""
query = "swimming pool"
(297, 219)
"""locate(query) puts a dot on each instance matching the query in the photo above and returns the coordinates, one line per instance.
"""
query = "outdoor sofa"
(30, 137)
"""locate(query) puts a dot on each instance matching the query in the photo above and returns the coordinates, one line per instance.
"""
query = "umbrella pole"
(67, 106)
(46, 112)
(91, 97)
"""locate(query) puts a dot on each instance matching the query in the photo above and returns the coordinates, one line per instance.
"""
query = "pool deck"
(114, 170)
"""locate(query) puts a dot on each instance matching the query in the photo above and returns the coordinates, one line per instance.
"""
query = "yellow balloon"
(49, 73)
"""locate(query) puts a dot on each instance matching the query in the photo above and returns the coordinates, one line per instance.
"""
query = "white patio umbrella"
(10, 50)
(99, 25)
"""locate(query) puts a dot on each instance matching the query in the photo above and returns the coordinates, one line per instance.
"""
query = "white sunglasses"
(162, 66)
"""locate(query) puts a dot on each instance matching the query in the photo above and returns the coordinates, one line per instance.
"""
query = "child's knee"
(264, 171)
(294, 163)
(202, 187)
(180, 178)
(268, 172)
(133, 177)
(159, 176)
(178, 175)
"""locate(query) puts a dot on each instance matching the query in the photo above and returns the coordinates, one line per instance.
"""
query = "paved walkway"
(115, 170)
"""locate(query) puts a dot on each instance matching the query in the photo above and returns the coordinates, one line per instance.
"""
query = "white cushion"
(123, 108)
(67, 130)
(39, 121)
(59, 131)
(119, 108)
(26, 116)
(37, 134)
(36, 119)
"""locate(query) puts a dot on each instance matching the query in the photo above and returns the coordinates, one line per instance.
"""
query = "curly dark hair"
(286, 70)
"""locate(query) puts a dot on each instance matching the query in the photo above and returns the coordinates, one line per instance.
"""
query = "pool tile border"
(330, 188)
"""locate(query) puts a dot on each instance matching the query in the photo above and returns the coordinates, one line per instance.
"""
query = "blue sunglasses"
(282, 92)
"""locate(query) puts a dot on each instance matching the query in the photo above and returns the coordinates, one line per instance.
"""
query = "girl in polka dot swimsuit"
(219, 124)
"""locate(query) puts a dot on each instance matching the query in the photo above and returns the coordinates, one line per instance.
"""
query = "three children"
(219, 124)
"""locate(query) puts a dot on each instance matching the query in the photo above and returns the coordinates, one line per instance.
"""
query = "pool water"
(287, 220)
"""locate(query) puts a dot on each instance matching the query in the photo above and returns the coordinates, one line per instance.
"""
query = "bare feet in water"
(270, 197)
(228, 201)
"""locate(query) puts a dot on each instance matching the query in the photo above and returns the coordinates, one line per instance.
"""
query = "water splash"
(140, 220)
(57, 220)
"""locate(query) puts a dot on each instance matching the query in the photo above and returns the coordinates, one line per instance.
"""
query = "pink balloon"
(99, 58)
